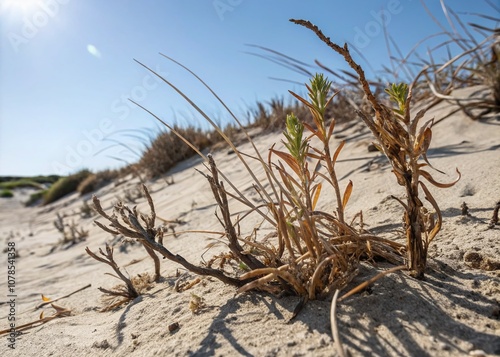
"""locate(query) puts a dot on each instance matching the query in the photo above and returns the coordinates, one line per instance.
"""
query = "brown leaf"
(305, 102)
(289, 159)
(347, 194)
(437, 226)
(332, 126)
(416, 119)
(317, 191)
(337, 152)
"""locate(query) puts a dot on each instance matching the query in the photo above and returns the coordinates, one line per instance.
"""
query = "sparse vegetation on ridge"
(64, 186)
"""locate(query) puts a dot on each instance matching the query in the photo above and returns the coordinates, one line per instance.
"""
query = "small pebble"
(173, 327)
(477, 353)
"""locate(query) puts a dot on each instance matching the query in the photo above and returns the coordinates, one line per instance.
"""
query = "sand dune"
(455, 311)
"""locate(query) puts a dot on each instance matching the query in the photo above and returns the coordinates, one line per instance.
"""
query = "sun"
(21, 5)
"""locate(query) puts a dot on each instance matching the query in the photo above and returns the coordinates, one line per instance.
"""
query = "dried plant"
(72, 234)
(313, 251)
(130, 226)
(494, 217)
(166, 150)
(85, 210)
(59, 312)
(404, 143)
(120, 294)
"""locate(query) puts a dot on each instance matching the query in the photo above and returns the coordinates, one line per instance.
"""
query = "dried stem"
(131, 292)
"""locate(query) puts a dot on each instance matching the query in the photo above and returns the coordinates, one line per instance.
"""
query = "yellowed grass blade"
(347, 194)
(317, 193)
(337, 152)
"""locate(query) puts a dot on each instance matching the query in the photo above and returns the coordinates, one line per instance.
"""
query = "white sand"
(453, 312)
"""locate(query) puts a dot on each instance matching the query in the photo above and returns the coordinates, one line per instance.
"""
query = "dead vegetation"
(313, 251)
(71, 233)
(404, 142)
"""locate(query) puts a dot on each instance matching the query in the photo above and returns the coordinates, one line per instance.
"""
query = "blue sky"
(67, 69)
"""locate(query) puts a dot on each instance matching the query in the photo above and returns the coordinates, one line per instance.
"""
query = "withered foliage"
(404, 142)
(310, 252)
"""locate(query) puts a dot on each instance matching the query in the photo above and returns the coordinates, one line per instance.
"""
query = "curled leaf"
(429, 178)
(423, 141)
(44, 298)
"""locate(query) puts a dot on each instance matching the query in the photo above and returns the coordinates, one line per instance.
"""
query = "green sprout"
(297, 146)
(398, 94)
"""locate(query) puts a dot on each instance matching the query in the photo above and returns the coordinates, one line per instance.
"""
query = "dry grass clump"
(404, 143)
(473, 59)
(271, 116)
(71, 233)
(64, 186)
(94, 182)
(166, 150)
(312, 251)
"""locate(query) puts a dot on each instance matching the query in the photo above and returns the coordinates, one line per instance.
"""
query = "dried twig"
(130, 292)
(60, 312)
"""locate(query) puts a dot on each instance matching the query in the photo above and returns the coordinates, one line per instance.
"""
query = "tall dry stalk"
(404, 143)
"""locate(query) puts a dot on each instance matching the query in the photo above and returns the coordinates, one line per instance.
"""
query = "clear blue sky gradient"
(67, 69)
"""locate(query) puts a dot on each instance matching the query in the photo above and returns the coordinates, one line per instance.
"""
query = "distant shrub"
(64, 186)
(20, 183)
(46, 179)
(93, 182)
(35, 198)
(167, 149)
(6, 194)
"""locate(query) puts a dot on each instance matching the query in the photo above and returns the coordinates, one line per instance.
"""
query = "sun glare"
(22, 5)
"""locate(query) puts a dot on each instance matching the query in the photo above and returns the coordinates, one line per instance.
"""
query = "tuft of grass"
(166, 150)
(64, 186)
(18, 181)
(35, 198)
(21, 183)
(5, 193)
(94, 182)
